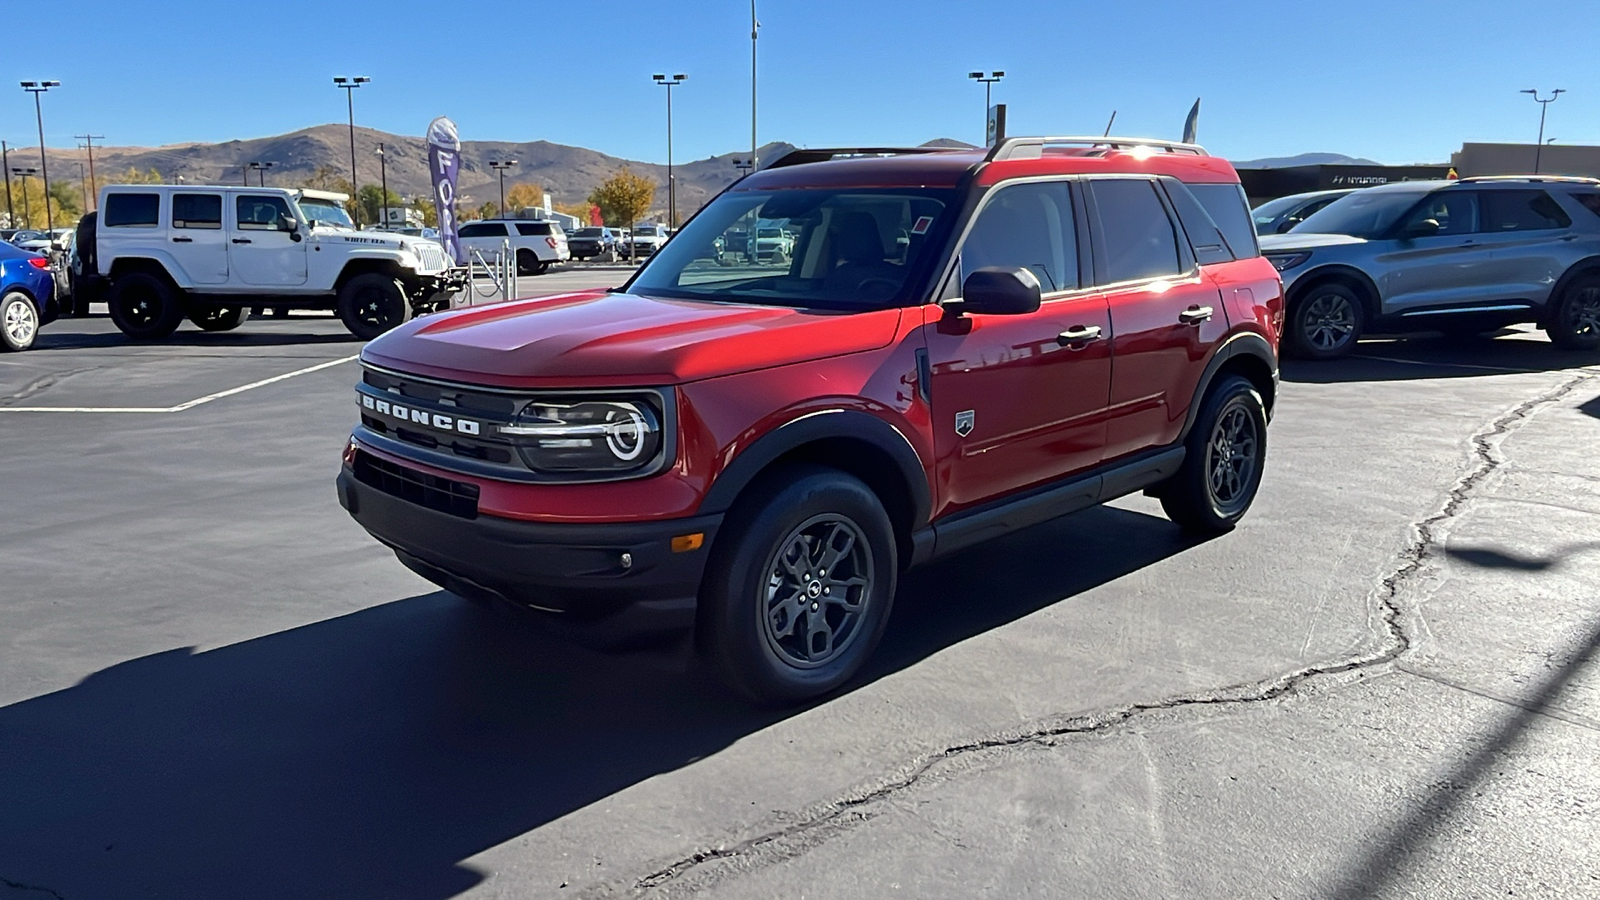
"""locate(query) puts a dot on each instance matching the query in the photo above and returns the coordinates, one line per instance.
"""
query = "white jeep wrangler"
(211, 253)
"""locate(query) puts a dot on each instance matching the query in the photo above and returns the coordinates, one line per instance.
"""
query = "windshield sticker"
(922, 226)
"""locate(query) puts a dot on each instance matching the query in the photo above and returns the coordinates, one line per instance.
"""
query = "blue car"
(27, 297)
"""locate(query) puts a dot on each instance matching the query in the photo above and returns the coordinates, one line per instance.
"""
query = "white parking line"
(182, 406)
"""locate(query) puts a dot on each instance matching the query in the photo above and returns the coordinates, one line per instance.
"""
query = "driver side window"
(1456, 212)
(261, 213)
(1028, 226)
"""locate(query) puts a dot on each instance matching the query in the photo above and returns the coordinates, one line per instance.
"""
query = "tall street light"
(36, 88)
(349, 85)
(672, 185)
(27, 213)
(262, 168)
(755, 26)
(501, 166)
(988, 82)
(5, 168)
(383, 183)
(1544, 105)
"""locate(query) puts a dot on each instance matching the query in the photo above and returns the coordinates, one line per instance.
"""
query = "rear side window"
(534, 229)
(1228, 208)
(1204, 237)
(1521, 211)
(483, 229)
(1136, 232)
(197, 211)
(1028, 226)
(1590, 201)
(132, 211)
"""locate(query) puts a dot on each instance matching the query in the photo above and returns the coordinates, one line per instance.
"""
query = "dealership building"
(1471, 160)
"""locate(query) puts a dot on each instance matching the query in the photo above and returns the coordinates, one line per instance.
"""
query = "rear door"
(1445, 268)
(541, 238)
(1166, 316)
(488, 238)
(263, 251)
(196, 238)
(1531, 243)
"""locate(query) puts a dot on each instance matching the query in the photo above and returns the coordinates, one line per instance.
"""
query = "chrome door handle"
(1078, 334)
(1194, 315)
(182, 240)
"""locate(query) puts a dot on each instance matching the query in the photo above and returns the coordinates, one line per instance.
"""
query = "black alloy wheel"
(1224, 458)
(817, 584)
(371, 304)
(219, 318)
(1326, 322)
(527, 262)
(1575, 323)
(144, 307)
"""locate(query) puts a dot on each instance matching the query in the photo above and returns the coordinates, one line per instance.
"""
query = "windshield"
(1363, 214)
(1267, 212)
(853, 250)
(587, 232)
(327, 212)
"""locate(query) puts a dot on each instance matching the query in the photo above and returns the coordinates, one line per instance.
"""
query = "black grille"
(454, 498)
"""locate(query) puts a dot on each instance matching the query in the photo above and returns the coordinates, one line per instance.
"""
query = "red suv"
(960, 344)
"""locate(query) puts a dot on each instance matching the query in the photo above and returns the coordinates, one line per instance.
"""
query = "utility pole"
(383, 179)
(5, 168)
(350, 85)
(36, 88)
(1544, 105)
(88, 144)
(27, 213)
(83, 178)
(755, 26)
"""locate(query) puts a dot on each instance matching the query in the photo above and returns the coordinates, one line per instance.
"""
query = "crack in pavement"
(42, 382)
(812, 827)
(19, 886)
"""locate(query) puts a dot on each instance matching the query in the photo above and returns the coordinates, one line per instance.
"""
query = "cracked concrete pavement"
(1380, 685)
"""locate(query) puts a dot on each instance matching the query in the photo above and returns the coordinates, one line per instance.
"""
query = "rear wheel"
(1326, 322)
(1575, 323)
(1225, 454)
(371, 304)
(527, 262)
(799, 586)
(220, 318)
(19, 321)
(144, 307)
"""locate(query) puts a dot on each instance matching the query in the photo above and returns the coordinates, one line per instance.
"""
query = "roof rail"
(1569, 179)
(801, 155)
(1033, 147)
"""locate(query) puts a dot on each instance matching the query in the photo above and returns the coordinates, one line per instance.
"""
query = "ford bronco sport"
(962, 344)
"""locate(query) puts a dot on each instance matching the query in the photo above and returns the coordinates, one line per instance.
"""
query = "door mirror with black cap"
(999, 291)
(291, 225)
(1422, 228)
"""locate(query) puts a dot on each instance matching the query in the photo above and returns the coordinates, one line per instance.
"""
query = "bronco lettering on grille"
(421, 416)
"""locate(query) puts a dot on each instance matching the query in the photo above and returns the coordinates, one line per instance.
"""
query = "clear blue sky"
(1399, 81)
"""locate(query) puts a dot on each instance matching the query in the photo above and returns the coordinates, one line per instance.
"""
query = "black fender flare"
(1246, 343)
(818, 426)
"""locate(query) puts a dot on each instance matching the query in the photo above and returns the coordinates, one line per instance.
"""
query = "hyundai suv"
(1456, 256)
(963, 343)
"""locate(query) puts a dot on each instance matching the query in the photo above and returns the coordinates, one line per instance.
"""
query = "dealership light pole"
(349, 85)
(27, 213)
(36, 88)
(988, 82)
(1544, 106)
(262, 168)
(501, 165)
(5, 167)
(672, 192)
(383, 183)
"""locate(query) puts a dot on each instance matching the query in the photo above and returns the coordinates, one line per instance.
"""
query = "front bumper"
(607, 583)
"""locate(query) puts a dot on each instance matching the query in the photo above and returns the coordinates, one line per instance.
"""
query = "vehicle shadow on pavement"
(66, 340)
(1407, 359)
(1591, 407)
(371, 754)
(1381, 868)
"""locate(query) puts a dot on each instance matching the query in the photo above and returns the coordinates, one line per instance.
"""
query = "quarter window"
(197, 211)
(534, 229)
(1590, 201)
(131, 211)
(1521, 211)
(261, 213)
(1228, 208)
(1028, 226)
(1137, 233)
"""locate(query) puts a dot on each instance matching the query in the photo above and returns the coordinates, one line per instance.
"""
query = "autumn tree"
(371, 200)
(327, 178)
(524, 194)
(580, 211)
(28, 199)
(624, 197)
(489, 210)
(134, 176)
(430, 215)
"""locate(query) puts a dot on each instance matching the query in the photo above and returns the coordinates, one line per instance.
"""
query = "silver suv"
(1456, 256)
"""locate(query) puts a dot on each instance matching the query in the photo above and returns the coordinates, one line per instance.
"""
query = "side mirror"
(999, 291)
(1286, 224)
(291, 225)
(1422, 228)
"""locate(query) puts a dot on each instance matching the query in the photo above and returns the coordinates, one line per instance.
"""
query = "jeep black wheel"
(798, 589)
(19, 321)
(1224, 457)
(1325, 322)
(220, 318)
(1575, 322)
(144, 307)
(371, 304)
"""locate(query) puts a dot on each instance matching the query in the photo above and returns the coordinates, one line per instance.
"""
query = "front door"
(196, 239)
(1020, 400)
(1165, 314)
(262, 250)
(1437, 258)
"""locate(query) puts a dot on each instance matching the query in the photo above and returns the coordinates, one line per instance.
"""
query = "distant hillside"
(1304, 159)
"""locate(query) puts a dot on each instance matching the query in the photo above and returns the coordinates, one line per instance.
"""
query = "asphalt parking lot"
(1384, 683)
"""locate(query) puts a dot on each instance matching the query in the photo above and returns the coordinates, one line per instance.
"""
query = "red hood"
(600, 339)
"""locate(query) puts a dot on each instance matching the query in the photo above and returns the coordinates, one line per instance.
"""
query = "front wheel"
(798, 589)
(1225, 454)
(1326, 322)
(371, 304)
(19, 321)
(144, 307)
(220, 318)
(1575, 323)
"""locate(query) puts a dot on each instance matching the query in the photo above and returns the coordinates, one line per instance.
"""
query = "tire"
(774, 540)
(1575, 322)
(19, 321)
(144, 306)
(219, 318)
(1325, 322)
(541, 268)
(527, 263)
(1226, 454)
(371, 304)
